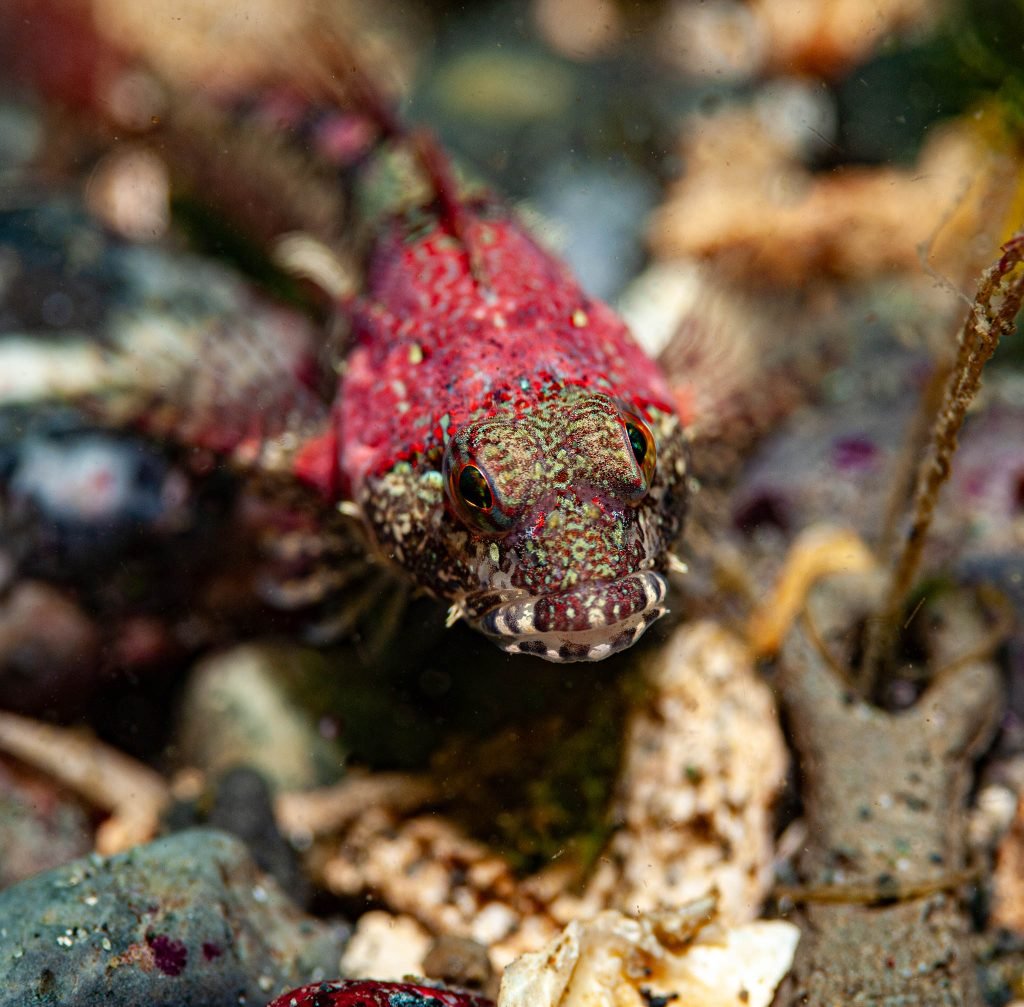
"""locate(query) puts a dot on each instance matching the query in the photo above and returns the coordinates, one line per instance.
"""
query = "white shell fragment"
(703, 763)
(620, 961)
(386, 947)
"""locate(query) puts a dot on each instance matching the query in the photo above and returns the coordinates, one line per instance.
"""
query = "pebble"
(240, 709)
(184, 920)
(386, 946)
(49, 649)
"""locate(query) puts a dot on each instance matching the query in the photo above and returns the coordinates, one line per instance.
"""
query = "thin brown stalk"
(915, 444)
(869, 894)
(991, 316)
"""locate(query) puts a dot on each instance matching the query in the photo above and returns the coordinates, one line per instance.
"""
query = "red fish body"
(509, 443)
(369, 993)
(435, 343)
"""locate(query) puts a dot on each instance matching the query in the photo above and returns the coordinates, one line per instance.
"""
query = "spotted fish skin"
(480, 349)
(370, 993)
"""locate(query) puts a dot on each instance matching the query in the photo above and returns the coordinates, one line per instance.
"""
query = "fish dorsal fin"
(335, 72)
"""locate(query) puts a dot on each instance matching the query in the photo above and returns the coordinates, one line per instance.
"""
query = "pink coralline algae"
(169, 956)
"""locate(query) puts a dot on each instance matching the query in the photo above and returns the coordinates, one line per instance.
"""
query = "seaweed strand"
(991, 316)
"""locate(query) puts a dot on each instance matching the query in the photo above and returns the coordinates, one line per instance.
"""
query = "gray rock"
(244, 707)
(187, 920)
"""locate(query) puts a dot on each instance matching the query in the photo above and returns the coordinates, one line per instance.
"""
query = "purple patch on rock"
(853, 454)
(211, 950)
(170, 955)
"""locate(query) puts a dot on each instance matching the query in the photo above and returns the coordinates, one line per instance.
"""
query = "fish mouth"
(590, 622)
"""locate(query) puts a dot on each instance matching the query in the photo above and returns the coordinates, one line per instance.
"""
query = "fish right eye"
(474, 490)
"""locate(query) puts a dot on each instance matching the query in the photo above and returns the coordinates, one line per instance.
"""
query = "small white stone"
(385, 946)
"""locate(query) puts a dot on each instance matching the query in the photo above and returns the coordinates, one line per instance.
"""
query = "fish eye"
(478, 469)
(638, 442)
(474, 490)
(641, 441)
(472, 496)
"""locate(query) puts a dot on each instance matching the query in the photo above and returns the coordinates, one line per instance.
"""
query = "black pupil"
(474, 489)
(637, 441)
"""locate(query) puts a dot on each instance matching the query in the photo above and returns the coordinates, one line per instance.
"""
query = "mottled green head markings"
(550, 521)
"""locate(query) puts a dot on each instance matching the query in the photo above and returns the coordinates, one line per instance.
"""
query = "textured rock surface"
(885, 796)
(185, 920)
(704, 762)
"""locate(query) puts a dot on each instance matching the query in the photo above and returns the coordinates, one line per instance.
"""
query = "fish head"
(564, 513)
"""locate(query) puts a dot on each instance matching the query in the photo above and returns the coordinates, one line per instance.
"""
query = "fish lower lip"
(588, 623)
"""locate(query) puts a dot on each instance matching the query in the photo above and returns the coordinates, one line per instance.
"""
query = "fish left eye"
(638, 442)
(641, 441)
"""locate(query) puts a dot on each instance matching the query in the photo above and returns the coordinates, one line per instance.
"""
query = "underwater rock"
(76, 499)
(240, 709)
(242, 805)
(460, 962)
(184, 920)
(884, 797)
(386, 946)
(49, 650)
(41, 824)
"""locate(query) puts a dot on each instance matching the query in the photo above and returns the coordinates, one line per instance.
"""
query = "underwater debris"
(818, 551)
(654, 958)
(306, 814)
(746, 203)
(134, 794)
